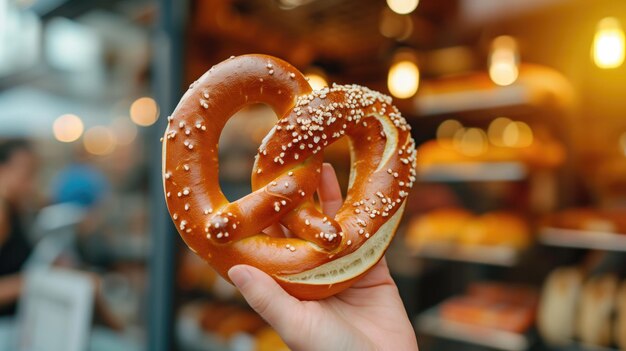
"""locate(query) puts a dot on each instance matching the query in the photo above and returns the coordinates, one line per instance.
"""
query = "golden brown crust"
(286, 172)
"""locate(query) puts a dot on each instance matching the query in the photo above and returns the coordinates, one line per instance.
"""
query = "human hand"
(367, 316)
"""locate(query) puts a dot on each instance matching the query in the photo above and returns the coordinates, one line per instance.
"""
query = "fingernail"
(239, 275)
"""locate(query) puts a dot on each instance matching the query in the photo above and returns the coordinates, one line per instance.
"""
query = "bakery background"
(513, 239)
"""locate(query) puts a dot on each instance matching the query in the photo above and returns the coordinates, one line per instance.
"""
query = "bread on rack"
(458, 226)
(439, 226)
(498, 228)
(589, 219)
(596, 308)
(557, 306)
(493, 305)
(620, 321)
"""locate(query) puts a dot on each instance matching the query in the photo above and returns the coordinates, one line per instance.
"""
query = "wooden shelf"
(582, 239)
(431, 323)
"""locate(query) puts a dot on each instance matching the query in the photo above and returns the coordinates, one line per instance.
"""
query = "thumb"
(265, 296)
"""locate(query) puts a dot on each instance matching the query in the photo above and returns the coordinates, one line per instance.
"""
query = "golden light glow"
(99, 140)
(496, 130)
(517, 134)
(316, 81)
(402, 7)
(503, 61)
(608, 44)
(448, 128)
(67, 128)
(144, 111)
(471, 141)
(125, 132)
(403, 79)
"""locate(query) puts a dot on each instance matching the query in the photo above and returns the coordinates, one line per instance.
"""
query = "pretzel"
(324, 255)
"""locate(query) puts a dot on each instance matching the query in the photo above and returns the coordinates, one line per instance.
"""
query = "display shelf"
(582, 239)
(473, 171)
(494, 256)
(431, 323)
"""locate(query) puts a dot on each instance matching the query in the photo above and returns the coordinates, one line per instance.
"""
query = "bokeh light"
(503, 61)
(517, 134)
(403, 79)
(144, 111)
(316, 80)
(125, 132)
(448, 128)
(67, 128)
(608, 44)
(471, 141)
(99, 140)
(402, 7)
(496, 130)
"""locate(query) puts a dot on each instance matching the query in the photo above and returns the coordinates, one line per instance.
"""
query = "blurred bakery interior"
(514, 237)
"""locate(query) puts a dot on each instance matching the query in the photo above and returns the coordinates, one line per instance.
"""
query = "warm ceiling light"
(517, 134)
(125, 132)
(403, 79)
(99, 140)
(496, 130)
(608, 44)
(144, 111)
(316, 81)
(448, 128)
(67, 128)
(402, 7)
(503, 61)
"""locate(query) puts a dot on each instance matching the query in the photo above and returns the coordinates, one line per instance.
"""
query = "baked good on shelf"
(589, 219)
(508, 293)
(485, 313)
(620, 320)
(557, 306)
(439, 226)
(596, 308)
(498, 228)
(458, 226)
(493, 305)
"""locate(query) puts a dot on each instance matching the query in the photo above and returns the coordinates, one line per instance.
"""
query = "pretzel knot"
(325, 255)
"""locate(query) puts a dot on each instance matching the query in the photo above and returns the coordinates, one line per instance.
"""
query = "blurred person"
(17, 179)
(86, 187)
(367, 316)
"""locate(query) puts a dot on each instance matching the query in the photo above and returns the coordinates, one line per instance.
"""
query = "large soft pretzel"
(325, 255)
